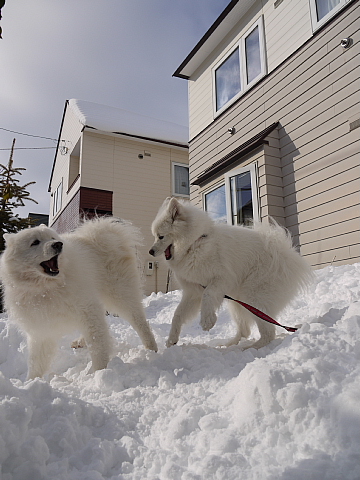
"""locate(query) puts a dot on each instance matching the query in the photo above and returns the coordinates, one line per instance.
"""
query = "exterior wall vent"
(355, 124)
(277, 3)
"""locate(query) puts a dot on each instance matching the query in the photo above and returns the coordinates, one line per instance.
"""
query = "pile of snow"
(194, 411)
(116, 120)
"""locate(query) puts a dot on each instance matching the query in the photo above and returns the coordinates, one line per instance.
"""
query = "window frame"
(240, 45)
(210, 190)
(57, 199)
(173, 165)
(74, 163)
(252, 169)
(316, 24)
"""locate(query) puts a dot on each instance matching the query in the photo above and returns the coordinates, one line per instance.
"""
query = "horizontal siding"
(313, 95)
(287, 27)
(292, 84)
(279, 101)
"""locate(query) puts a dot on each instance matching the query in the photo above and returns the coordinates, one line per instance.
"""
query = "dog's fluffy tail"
(125, 232)
(286, 262)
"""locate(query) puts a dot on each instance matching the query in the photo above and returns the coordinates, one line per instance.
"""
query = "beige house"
(274, 116)
(110, 161)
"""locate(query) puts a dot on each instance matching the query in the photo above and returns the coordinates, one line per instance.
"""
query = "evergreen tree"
(12, 195)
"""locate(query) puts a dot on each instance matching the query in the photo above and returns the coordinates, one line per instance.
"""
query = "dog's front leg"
(41, 353)
(97, 337)
(211, 301)
(187, 309)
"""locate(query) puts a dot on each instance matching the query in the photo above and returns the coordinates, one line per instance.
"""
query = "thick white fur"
(256, 265)
(97, 273)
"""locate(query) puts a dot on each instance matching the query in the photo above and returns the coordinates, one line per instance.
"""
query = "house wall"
(315, 97)
(138, 186)
(287, 27)
(71, 133)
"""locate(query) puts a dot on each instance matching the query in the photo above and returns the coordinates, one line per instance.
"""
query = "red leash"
(261, 314)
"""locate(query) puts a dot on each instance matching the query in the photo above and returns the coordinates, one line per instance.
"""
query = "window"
(74, 164)
(243, 66)
(181, 179)
(323, 10)
(227, 79)
(57, 199)
(252, 54)
(215, 204)
(241, 196)
(236, 201)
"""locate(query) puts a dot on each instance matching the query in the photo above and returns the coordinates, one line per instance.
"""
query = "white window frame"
(74, 160)
(240, 44)
(313, 10)
(57, 198)
(173, 164)
(252, 168)
(212, 189)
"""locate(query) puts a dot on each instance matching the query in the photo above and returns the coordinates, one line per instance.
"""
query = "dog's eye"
(160, 237)
(35, 242)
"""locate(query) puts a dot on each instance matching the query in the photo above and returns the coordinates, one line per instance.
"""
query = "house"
(113, 162)
(274, 116)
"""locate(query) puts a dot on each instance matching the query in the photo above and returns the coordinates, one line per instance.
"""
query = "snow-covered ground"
(195, 411)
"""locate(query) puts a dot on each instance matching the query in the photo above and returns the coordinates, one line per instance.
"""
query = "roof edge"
(140, 137)
(57, 145)
(235, 155)
(204, 38)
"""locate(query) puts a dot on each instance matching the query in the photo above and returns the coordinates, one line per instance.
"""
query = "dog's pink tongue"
(168, 253)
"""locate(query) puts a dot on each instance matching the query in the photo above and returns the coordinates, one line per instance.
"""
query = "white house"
(274, 115)
(115, 162)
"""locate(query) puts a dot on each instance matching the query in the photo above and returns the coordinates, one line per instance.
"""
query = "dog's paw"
(151, 346)
(170, 342)
(208, 321)
(80, 343)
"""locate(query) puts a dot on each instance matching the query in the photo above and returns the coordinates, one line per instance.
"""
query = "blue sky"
(114, 52)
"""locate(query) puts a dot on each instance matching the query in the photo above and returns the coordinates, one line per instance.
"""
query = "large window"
(181, 179)
(242, 67)
(236, 201)
(215, 204)
(323, 10)
(227, 79)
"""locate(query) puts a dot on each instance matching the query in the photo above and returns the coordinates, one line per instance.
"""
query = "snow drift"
(194, 411)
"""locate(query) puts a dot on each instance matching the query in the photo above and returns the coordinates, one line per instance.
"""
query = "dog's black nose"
(152, 252)
(57, 246)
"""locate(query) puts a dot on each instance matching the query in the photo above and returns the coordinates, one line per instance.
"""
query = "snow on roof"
(116, 120)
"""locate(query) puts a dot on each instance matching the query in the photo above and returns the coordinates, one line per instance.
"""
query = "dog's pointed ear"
(7, 237)
(175, 208)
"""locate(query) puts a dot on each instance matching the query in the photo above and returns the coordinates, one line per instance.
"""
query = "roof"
(216, 33)
(235, 155)
(123, 122)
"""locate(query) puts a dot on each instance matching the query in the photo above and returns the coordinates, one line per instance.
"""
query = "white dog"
(55, 284)
(256, 265)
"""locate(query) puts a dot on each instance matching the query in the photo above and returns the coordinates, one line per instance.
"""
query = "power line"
(28, 134)
(29, 148)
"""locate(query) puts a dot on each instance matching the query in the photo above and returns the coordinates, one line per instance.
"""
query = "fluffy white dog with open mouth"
(257, 266)
(56, 284)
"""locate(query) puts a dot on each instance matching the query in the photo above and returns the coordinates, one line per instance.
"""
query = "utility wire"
(28, 148)
(28, 135)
